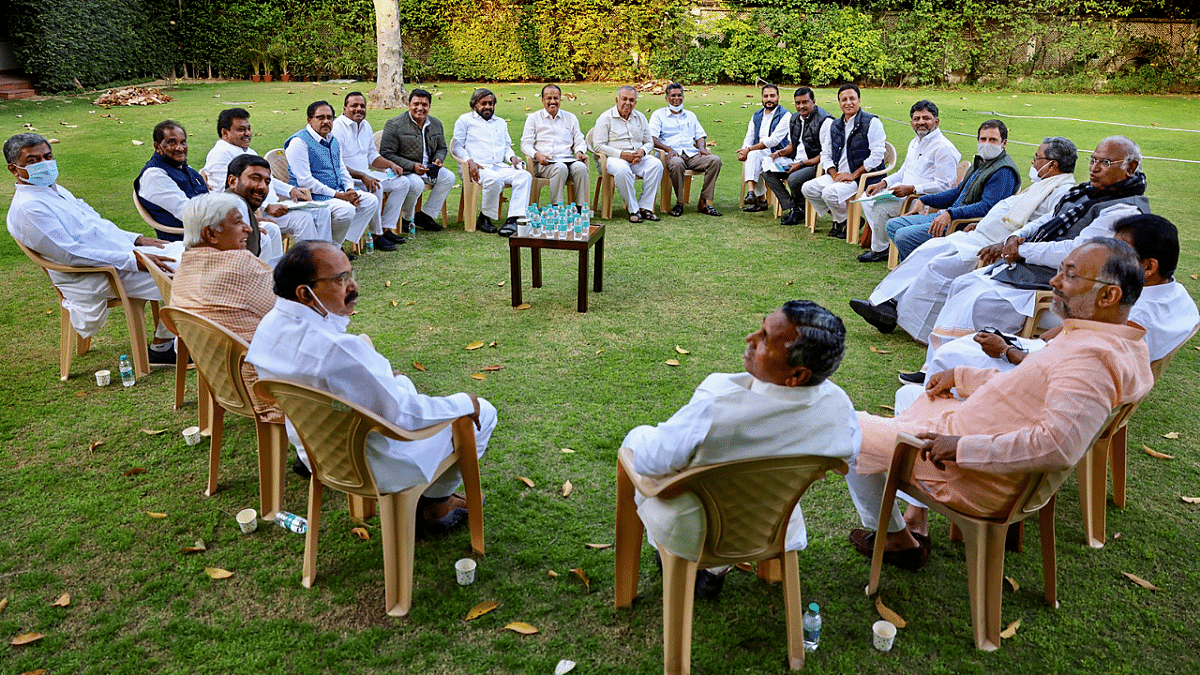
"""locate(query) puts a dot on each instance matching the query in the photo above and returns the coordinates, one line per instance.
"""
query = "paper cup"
(465, 571)
(103, 377)
(192, 435)
(883, 633)
(247, 520)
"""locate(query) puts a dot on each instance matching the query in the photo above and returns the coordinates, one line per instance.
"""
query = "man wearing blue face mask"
(47, 218)
(993, 176)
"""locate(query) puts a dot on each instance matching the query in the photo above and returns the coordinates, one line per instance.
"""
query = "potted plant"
(257, 53)
(279, 51)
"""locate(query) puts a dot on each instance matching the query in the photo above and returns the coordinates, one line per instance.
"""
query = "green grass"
(70, 522)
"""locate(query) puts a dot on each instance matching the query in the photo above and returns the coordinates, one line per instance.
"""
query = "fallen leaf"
(711, 144)
(578, 571)
(567, 451)
(525, 480)
(1011, 630)
(138, 143)
(552, 574)
(526, 305)
(395, 304)
(1191, 500)
(94, 444)
(1196, 276)
(599, 352)
(1171, 435)
(26, 638)
(361, 533)
(1140, 581)
(500, 284)
(155, 514)
(880, 351)
(80, 394)
(480, 609)
(153, 432)
(492, 343)
(598, 546)
(745, 567)
(217, 573)
(1013, 582)
(134, 471)
(1117, 535)
(672, 362)
(521, 627)
(479, 376)
(681, 350)
(888, 407)
(888, 615)
(3, 604)
(789, 283)
(62, 601)
(474, 345)
(492, 369)
(419, 366)
(1156, 454)
(564, 666)
(198, 548)
(567, 489)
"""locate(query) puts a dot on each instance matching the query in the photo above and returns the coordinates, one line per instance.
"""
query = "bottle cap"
(812, 606)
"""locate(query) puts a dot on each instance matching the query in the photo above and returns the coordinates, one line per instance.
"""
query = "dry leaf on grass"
(567, 489)
(552, 574)
(361, 533)
(387, 284)
(598, 546)
(681, 350)
(94, 444)
(480, 609)
(521, 627)
(394, 303)
(745, 567)
(156, 514)
(217, 573)
(80, 394)
(3, 604)
(39, 671)
(525, 480)
(153, 432)
(1196, 276)
(492, 343)
(1156, 454)
(134, 471)
(523, 305)
(474, 345)
(198, 548)
(587, 583)
(567, 451)
(888, 615)
(1011, 630)
(1013, 582)
(419, 366)
(672, 362)
(877, 350)
(479, 376)
(1191, 500)
(1171, 435)
(62, 601)
(403, 283)
(564, 666)
(1140, 581)
(138, 143)
(500, 284)
(888, 407)
(492, 369)
(25, 638)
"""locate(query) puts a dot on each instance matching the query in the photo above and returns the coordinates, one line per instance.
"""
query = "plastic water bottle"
(585, 215)
(368, 243)
(577, 223)
(293, 522)
(126, 368)
(389, 173)
(812, 627)
(533, 217)
(562, 226)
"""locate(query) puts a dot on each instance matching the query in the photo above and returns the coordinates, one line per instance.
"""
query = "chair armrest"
(956, 225)
(905, 455)
(529, 166)
(862, 180)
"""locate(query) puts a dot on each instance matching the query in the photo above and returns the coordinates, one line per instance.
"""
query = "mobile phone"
(1008, 339)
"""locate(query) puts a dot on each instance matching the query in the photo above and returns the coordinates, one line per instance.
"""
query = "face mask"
(675, 108)
(989, 151)
(1035, 174)
(341, 322)
(43, 174)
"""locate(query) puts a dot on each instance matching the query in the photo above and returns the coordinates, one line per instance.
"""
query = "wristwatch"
(1004, 354)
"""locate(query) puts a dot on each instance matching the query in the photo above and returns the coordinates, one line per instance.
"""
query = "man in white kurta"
(234, 135)
(368, 169)
(483, 148)
(830, 192)
(553, 140)
(782, 405)
(766, 133)
(622, 135)
(303, 339)
(47, 218)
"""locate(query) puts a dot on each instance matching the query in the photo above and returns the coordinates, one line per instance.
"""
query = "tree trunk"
(389, 89)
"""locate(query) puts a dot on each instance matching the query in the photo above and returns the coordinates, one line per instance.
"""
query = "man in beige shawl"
(911, 295)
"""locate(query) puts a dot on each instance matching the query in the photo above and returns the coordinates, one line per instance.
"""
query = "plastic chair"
(152, 222)
(984, 537)
(219, 355)
(604, 183)
(810, 214)
(279, 164)
(469, 197)
(134, 315)
(665, 188)
(747, 505)
(334, 433)
(539, 184)
(854, 209)
(377, 137)
(955, 225)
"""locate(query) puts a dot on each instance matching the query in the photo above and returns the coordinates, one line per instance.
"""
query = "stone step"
(10, 94)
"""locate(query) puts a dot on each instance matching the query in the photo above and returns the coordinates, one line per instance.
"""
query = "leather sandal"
(635, 218)
(647, 214)
(911, 559)
(709, 210)
(676, 210)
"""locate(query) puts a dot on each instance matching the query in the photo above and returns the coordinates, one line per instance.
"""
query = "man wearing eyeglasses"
(1004, 294)
(304, 339)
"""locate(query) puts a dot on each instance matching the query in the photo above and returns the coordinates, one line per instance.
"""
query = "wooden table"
(535, 246)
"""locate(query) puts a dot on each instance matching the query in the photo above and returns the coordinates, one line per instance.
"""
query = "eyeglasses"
(1104, 162)
(343, 278)
(1037, 157)
(1070, 275)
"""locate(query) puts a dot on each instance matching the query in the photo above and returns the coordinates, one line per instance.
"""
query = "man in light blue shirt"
(677, 134)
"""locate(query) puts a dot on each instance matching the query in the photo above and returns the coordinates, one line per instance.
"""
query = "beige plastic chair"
(810, 214)
(539, 184)
(135, 319)
(137, 204)
(468, 198)
(334, 433)
(219, 355)
(377, 137)
(665, 189)
(984, 538)
(747, 504)
(854, 210)
(605, 187)
(1041, 304)
(279, 164)
(955, 225)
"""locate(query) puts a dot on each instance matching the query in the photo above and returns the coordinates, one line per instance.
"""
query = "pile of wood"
(132, 96)
(653, 86)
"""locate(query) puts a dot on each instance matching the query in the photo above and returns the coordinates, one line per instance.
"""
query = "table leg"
(536, 254)
(598, 264)
(581, 283)
(514, 265)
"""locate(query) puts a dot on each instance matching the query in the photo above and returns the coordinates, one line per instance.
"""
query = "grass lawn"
(72, 522)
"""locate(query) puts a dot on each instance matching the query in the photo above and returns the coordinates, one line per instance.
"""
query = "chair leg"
(1116, 450)
(1049, 565)
(885, 513)
(679, 581)
(309, 573)
(398, 520)
(794, 608)
(204, 405)
(361, 507)
(214, 448)
(181, 359)
(629, 531)
(135, 310)
(769, 570)
(272, 456)
(609, 188)
(985, 576)
(810, 217)
(893, 256)
(69, 339)
(664, 190)
(468, 466)
(1092, 473)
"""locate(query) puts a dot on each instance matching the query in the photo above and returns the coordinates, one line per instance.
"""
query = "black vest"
(857, 147)
(807, 133)
(186, 178)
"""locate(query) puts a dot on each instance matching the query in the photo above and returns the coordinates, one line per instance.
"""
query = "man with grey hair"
(166, 182)
(622, 135)
(782, 405)
(483, 148)
(553, 140)
(681, 139)
(48, 219)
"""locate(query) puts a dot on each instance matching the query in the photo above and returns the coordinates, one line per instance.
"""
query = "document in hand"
(881, 196)
(301, 206)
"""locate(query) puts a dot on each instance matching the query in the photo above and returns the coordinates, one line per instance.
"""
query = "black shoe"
(509, 228)
(425, 222)
(838, 231)
(351, 256)
(382, 243)
(393, 237)
(756, 207)
(484, 224)
(708, 585)
(299, 469)
(881, 316)
(406, 227)
(911, 378)
(873, 256)
(750, 199)
(165, 357)
(792, 218)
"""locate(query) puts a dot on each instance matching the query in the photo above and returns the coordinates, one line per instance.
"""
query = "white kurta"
(296, 343)
(488, 144)
(753, 166)
(356, 140)
(731, 417)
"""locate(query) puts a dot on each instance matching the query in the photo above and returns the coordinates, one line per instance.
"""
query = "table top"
(595, 234)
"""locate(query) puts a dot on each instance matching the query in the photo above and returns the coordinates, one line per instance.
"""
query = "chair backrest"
(747, 503)
(378, 138)
(1042, 486)
(218, 354)
(161, 278)
(1159, 365)
(48, 265)
(279, 164)
(334, 433)
(963, 167)
(889, 156)
(137, 204)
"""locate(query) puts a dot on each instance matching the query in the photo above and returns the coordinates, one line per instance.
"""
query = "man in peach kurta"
(981, 445)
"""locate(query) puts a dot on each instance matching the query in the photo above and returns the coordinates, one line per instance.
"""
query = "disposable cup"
(192, 435)
(465, 571)
(883, 633)
(103, 377)
(247, 520)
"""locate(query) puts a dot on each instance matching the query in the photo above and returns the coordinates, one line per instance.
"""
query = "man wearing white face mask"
(993, 176)
(47, 218)
(303, 339)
